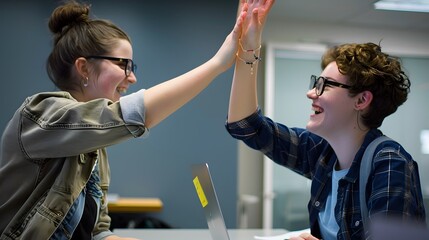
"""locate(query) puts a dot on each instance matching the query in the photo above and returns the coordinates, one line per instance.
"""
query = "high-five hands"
(253, 24)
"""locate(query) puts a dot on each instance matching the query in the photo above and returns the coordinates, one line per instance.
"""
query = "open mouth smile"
(121, 90)
(317, 110)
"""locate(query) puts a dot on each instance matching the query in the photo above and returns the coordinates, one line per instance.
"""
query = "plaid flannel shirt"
(393, 188)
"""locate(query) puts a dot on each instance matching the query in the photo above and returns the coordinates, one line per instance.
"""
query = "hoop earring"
(85, 82)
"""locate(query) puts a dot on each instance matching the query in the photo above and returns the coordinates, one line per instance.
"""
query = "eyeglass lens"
(317, 83)
(131, 67)
(129, 64)
(320, 85)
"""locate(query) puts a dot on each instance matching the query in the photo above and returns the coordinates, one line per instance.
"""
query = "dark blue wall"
(169, 38)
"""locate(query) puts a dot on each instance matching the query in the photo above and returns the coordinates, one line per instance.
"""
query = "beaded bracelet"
(257, 58)
(250, 63)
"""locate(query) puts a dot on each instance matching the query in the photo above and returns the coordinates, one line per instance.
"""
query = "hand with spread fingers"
(254, 22)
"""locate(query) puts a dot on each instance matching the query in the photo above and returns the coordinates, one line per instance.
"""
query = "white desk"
(193, 234)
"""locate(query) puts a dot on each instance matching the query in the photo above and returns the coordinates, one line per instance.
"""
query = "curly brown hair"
(76, 35)
(370, 69)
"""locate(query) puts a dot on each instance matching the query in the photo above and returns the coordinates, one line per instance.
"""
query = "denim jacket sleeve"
(69, 127)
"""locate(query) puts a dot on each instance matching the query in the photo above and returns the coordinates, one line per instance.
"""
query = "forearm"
(243, 99)
(167, 97)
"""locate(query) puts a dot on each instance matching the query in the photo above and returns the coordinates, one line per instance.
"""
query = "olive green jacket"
(48, 151)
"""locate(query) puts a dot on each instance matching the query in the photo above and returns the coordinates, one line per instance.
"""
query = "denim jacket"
(49, 150)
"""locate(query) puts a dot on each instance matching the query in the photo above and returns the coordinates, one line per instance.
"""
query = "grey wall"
(169, 38)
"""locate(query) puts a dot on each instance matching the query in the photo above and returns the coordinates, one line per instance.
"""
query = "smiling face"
(334, 110)
(107, 78)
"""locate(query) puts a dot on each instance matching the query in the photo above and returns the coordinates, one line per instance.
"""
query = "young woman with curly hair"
(358, 87)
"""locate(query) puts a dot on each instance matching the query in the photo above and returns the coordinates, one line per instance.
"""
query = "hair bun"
(68, 15)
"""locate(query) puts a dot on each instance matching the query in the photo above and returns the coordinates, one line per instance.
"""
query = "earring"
(85, 82)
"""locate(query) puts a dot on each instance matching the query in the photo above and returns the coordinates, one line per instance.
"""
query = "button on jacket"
(49, 149)
(395, 179)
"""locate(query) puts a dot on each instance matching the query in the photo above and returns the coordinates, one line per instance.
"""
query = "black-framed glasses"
(320, 82)
(129, 65)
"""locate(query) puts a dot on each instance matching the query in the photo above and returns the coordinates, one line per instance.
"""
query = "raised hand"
(226, 53)
(254, 22)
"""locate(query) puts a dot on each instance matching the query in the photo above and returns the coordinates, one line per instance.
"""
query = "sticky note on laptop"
(200, 192)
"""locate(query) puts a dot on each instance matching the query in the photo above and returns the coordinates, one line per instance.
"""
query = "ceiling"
(359, 13)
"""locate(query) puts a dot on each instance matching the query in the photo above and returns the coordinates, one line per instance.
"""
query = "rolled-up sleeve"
(69, 127)
(246, 127)
(133, 112)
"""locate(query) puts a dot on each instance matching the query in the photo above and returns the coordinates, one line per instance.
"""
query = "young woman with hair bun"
(54, 171)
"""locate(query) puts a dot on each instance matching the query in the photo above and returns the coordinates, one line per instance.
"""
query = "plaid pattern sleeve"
(245, 128)
(395, 188)
(255, 132)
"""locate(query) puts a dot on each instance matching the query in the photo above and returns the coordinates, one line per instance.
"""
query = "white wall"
(394, 41)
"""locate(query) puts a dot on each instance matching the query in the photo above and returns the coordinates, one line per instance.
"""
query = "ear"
(363, 100)
(81, 65)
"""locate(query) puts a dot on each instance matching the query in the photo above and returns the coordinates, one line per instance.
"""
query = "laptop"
(207, 195)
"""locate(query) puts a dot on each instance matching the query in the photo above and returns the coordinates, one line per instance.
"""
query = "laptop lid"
(207, 195)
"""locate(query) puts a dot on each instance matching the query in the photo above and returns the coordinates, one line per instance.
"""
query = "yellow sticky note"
(200, 192)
